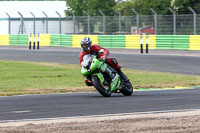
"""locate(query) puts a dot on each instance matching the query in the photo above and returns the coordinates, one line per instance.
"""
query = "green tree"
(143, 6)
(160, 6)
(181, 6)
(91, 6)
(125, 7)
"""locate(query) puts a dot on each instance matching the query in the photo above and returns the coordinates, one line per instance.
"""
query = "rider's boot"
(121, 74)
(124, 79)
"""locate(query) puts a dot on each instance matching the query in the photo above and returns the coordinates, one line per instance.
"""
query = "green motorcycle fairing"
(84, 71)
(96, 64)
(100, 76)
(114, 85)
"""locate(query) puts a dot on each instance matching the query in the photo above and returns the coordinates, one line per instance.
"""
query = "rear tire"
(127, 89)
(100, 87)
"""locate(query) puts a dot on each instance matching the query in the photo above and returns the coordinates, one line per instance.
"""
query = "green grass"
(17, 78)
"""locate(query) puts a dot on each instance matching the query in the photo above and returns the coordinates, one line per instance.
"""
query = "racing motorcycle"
(104, 78)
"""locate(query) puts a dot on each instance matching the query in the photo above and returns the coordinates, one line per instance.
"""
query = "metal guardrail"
(174, 24)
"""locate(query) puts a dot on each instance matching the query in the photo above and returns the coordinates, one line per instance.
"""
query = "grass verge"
(18, 78)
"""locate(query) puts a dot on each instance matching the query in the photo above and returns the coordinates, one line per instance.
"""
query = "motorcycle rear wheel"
(101, 88)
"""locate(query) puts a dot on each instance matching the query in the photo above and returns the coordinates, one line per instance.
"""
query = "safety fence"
(182, 42)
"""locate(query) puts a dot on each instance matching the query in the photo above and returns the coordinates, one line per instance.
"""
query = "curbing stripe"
(175, 88)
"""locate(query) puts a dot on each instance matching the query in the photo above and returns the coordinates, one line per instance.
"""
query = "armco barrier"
(21, 40)
(42, 39)
(112, 41)
(61, 40)
(118, 41)
(77, 38)
(172, 42)
(182, 42)
(164, 42)
(4, 40)
(105, 41)
(132, 41)
(152, 42)
(45, 40)
(194, 42)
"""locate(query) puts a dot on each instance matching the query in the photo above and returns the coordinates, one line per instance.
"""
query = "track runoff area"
(146, 50)
(34, 43)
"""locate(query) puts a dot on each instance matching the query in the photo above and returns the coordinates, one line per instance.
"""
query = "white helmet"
(86, 43)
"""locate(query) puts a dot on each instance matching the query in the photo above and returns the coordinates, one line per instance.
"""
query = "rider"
(88, 48)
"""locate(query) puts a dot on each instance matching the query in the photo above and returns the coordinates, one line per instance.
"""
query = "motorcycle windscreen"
(86, 64)
(86, 60)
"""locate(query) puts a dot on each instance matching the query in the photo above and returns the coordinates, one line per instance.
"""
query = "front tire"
(127, 88)
(100, 87)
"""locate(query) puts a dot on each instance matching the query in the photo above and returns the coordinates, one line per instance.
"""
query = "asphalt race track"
(161, 63)
(84, 104)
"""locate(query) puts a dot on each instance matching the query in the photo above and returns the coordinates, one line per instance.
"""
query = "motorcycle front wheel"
(127, 89)
(104, 90)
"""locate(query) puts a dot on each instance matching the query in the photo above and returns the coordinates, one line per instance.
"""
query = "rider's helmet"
(86, 43)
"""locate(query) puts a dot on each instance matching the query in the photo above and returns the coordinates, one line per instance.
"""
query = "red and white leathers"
(102, 53)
